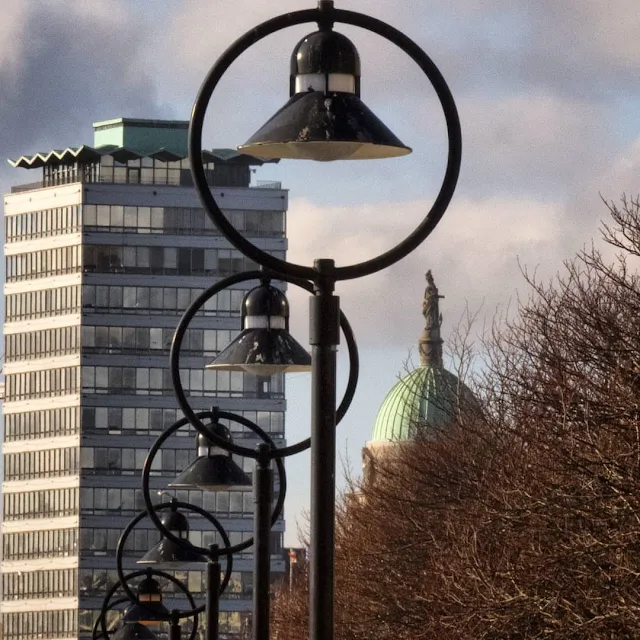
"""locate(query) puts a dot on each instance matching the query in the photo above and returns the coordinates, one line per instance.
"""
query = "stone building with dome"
(423, 401)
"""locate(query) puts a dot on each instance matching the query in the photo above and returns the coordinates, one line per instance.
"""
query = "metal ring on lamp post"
(145, 572)
(176, 344)
(409, 47)
(187, 545)
(146, 494)
(97, 623)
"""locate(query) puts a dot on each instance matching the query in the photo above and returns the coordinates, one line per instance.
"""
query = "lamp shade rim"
(278, 368)
(292, 150)
(215, 473)
(269, 348)
(315, 125)
(167, 553)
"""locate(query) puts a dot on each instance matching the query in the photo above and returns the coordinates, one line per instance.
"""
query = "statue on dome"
(430, 305)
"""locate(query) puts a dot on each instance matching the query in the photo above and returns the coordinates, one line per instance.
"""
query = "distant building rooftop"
(138, 151)
(132, 139)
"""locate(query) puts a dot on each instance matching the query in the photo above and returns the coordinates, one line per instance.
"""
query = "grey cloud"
(70, 68)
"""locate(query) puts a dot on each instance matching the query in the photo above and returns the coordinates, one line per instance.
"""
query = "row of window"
(40, 224)
(57, 503)
(97, 501)
(41, 424)
(48, 423)
(38, 264)
(56, 174)
(152, 340)
(116, 461)
(143, 171)
(40, 544)
(128, 419)
(158, 300)
(96, 582)
(184, 261)
(40, 624)
(129, 461)
(138, 381)
(25, 465)
(42, 384)
(103, 542)
(53, 503)
(48, 503)
(143, 420)
(196, 382)
(179, 220)
(110, 340)
(51, 463)
(40, 584)
(117, 299)
(39, 344)
(43, 303)
(181, 261)
(174, 172)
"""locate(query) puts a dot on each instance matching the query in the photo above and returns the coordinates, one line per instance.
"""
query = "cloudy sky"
(549, 100)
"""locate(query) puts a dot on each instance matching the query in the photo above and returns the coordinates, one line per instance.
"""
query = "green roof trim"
(427, 397)
(133, 138)
(72, 155)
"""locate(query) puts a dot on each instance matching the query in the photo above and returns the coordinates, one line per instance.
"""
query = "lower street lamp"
(324, 119)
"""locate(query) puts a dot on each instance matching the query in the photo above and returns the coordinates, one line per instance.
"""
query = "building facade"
(103, 255)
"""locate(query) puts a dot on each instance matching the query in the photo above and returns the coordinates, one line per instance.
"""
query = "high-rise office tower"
(103, 254)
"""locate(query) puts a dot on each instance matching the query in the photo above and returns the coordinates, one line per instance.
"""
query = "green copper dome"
(426, 397)
(429, 396)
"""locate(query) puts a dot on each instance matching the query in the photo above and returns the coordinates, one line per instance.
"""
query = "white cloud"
(593, 30)
(535, 142)
(473, 253)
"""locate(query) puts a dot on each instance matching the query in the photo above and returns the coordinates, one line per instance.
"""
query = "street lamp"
(324, 119)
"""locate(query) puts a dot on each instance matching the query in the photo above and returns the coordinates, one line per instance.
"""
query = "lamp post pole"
(324, 337)
(262, 496)
(213, 594)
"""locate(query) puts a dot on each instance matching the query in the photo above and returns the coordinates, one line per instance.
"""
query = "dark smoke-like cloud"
(69, 68)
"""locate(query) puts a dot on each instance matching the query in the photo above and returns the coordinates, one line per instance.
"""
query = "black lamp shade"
(168, 553)
(148, 612)
(212, 473)
(265, 346)
(149, 609)
(324, 126)
(134, 631)
(263, 352)
(214, 469)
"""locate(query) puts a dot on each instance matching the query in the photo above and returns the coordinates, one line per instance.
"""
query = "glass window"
(89, 214)
(117, 216)
(170, 298)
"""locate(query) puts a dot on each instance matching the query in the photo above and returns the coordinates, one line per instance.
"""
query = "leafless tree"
(521, 518)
